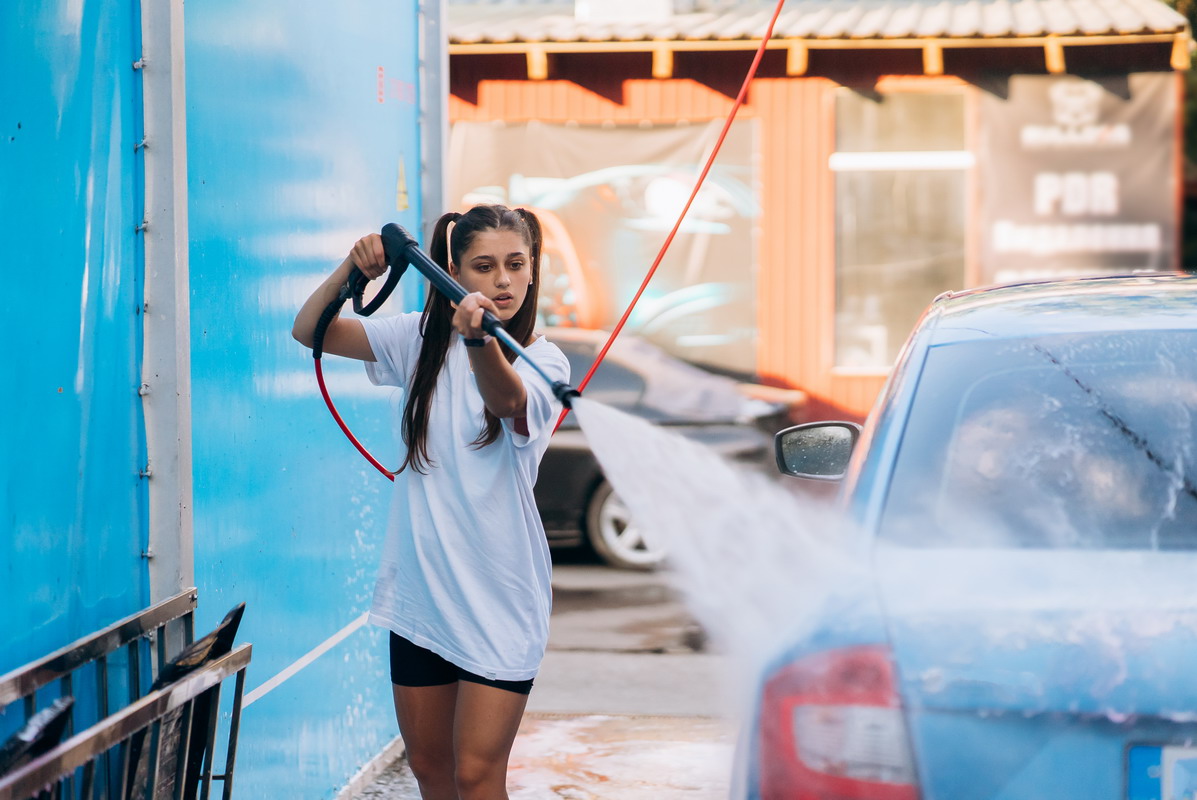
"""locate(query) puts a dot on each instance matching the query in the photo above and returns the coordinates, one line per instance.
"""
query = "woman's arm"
(500, 385)
(344, 337)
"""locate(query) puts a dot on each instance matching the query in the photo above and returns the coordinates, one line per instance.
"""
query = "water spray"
(402, 250)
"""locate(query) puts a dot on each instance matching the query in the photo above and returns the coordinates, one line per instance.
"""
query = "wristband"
(483, 342)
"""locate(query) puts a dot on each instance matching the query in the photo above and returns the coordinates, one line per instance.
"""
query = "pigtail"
(537, 238)
(436, 328)
(438, 246)
(522, 325)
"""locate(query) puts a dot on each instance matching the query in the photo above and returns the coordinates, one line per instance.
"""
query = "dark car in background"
(1026, 625)
(735, 418)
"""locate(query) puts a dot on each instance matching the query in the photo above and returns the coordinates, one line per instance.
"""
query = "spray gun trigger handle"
(354, 285)
(395, 243)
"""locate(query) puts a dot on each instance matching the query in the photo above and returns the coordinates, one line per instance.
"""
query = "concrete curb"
(372, 769)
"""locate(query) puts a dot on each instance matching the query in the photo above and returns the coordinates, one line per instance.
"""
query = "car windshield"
(1080, 440)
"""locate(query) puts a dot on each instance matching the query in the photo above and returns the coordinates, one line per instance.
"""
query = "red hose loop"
(345, 428)
(760, 52)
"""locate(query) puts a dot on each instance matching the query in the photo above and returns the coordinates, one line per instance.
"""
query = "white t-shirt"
(465, 569)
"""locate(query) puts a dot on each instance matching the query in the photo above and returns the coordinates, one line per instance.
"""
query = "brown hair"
(436, 325)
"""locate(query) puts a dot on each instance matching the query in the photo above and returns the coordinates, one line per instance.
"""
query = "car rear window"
(1084, 441)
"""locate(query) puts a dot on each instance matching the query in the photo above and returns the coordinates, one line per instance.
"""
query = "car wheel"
(614, 536)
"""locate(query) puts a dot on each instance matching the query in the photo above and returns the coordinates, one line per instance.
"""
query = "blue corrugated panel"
(72, 504)
(302, 136)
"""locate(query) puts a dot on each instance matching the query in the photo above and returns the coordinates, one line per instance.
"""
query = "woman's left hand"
(467, 319)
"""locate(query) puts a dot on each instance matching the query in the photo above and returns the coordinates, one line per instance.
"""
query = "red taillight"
(832, 727)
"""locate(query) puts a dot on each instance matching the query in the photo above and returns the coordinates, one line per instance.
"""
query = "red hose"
(760, 52)
(345, 428)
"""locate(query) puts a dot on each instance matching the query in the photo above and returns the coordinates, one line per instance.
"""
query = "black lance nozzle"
(402, 249)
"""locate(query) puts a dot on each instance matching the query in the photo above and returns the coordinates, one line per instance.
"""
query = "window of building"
(606, 197)
(901, 183)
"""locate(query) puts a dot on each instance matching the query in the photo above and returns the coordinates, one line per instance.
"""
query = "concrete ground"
(627, 704)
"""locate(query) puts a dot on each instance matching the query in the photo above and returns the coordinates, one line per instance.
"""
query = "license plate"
(1167, 772)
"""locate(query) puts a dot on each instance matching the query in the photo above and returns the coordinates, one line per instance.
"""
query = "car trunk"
(1045, 673)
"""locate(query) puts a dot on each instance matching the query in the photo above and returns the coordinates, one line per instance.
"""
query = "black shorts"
(412, 665)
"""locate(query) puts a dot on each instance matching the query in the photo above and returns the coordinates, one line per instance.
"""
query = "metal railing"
(149, 625)
(109, 759)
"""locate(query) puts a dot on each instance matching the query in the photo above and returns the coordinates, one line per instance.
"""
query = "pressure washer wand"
(400, 247)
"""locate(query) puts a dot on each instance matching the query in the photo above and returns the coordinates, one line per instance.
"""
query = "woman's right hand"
(368, 256)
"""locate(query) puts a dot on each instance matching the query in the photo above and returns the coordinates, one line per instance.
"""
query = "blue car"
(1026, 495)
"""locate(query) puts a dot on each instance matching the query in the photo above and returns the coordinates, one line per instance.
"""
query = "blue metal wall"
(72, 504)
(302, 136)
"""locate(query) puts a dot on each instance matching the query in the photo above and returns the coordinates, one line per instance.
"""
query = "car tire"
(613, 535)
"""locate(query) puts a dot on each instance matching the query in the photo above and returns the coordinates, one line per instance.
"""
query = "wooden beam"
(797, 58)
(1182, 51)
(538, 63)
(933, 58)
(663, 61)
(1053, 52)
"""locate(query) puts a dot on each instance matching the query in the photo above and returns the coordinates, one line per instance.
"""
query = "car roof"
(1164, 301)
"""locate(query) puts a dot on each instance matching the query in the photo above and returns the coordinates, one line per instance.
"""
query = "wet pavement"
(628, 703)
(593, 757)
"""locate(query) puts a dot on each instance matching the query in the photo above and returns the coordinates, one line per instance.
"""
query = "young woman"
(464, 583)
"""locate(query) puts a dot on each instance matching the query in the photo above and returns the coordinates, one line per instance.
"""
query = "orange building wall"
(796, 279)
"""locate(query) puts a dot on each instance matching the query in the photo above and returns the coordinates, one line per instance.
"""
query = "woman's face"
(497, 264)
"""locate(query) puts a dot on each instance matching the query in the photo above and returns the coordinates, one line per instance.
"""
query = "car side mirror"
(817, 450)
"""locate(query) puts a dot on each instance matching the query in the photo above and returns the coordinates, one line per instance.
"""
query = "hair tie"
(453, 217)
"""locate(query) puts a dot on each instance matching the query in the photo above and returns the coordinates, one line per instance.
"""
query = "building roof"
(511, 21)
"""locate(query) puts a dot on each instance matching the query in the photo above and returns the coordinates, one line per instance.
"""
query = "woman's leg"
(484, 729)
(426, 715)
